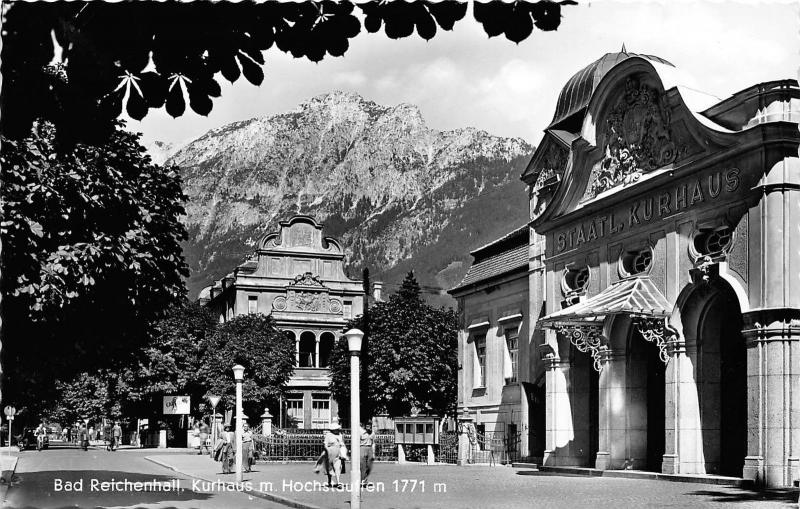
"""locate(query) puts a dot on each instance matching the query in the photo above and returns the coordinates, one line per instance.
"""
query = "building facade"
(494, 389)
(297, 275)
(665, 274)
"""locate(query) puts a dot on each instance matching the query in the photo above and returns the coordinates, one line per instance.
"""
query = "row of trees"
(410, 363)
(188, 353)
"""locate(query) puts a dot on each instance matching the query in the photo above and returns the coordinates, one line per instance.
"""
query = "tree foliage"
(86, 396)
(171, 361)
(267, 354)
(143, 55)
(413, 360)
(91, 255)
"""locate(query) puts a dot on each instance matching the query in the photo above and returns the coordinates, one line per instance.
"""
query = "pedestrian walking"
(204, 429)
(226, 450)
(83, 437)
(335, 454)
(247, 447)
(196, 436)
(367, 444)
(116, 436)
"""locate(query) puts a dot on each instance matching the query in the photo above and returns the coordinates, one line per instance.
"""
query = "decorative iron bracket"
(655, 330)
(587, 339)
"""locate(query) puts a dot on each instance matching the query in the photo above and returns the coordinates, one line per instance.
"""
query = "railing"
(494, 447)
(308, 445)
(448, 447)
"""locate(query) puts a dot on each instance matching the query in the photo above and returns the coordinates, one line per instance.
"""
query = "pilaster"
(773, 388)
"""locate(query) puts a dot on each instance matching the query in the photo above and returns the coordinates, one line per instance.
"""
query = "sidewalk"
(8, 464)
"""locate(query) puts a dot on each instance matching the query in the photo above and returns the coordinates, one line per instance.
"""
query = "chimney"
(376, 290)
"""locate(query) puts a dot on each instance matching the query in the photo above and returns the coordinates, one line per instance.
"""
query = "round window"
(576, 280)
(712, 242)
(636, 262)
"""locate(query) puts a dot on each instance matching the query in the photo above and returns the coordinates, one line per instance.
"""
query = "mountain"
(398, 194)
(160, 151)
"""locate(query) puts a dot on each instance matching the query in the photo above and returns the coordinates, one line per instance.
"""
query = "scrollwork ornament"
(655, 330)
(587, 339)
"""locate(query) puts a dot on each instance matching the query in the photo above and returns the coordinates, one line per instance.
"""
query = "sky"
(463, 78)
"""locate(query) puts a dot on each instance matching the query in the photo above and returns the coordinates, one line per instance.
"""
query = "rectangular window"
(320, 413)
(512, 343)
(348, 309)
(252, 304)
(294, 412)
(480, 351)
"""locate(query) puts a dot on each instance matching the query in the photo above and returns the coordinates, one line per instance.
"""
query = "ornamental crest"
(638, 139)
(306, 279)
(552, 171)
(308, 301)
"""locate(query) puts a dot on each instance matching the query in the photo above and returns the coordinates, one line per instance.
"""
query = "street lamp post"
(214, 402)
(238, 374)
(354, 337)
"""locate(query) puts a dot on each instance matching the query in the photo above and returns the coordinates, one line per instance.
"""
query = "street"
(43, 480)
(39, 474)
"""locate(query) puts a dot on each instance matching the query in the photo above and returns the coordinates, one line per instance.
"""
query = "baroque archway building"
(296, 275)
(664, 274)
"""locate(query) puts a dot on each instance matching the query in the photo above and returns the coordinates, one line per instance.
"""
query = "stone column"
(683, 443)
(316, 350)
(559, 431)
(297, 351)
(266, 423)
(612, 449)
(773, 390)
(772, 326)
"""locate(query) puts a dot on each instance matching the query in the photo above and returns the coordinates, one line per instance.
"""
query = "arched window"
(308, 349)
(326, 342)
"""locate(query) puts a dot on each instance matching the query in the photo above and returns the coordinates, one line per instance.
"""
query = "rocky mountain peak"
(383, 182)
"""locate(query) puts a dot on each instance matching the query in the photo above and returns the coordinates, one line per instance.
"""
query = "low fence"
(307, 445)
(494, 448)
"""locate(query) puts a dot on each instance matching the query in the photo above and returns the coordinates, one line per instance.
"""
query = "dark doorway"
(646, 374)
(722, 384)
(656, 371)
(594, 415)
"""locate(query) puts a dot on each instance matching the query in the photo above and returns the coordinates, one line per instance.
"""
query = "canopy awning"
(634, 296)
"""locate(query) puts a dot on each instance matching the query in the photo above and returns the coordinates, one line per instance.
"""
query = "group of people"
(332, 460)
(225, 448)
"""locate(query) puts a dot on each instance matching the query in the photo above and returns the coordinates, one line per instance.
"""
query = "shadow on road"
(548, 474)
(86, 490)
(732, 495)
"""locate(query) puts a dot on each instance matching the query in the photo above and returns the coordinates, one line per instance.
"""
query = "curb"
(256, 493)
(631, 474)
(5, 480)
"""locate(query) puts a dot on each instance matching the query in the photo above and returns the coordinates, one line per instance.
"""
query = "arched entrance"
(712, 325)
(645, 381)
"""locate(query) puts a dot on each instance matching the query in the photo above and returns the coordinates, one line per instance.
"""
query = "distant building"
(493, 347)
(297, 275)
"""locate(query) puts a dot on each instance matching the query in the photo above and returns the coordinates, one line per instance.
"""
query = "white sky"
(462, 78)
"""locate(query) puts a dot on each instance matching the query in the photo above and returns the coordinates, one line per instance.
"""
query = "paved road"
(39, 473)
(414, 486)
(458, 487)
